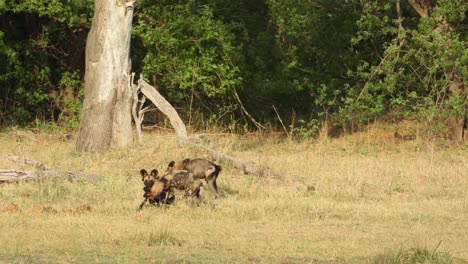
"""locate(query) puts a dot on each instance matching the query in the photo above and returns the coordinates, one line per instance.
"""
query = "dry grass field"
(365, 198)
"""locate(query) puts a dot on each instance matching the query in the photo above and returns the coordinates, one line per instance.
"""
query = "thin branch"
(137, 115)
(257, 124)
(146, 110)
(400, 39)
(281, 121)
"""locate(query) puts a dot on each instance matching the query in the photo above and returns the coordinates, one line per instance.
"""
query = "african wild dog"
(185, 181)
(161, 189)
(155, 189)
(200, 168)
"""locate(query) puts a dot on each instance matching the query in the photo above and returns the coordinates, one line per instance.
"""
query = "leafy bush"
(187, 52)
(417, 61)
(41, 46)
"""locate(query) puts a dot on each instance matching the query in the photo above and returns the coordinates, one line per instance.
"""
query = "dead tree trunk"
(106, 119)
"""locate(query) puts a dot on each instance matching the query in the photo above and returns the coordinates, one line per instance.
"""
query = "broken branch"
(164, 106)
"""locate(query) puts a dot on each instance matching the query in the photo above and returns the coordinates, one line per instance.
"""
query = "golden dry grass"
(355, 198)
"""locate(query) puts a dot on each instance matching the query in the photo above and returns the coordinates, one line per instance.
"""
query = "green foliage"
(70, 101)
(72, 13)
(307, 129)
(41, 43)
(313, 38)
(190, 53)
(419, 60)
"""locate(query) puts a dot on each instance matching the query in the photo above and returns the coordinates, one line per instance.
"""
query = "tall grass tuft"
(162, 238)
(414, 256)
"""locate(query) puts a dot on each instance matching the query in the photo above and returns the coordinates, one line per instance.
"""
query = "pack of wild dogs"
(188, 175)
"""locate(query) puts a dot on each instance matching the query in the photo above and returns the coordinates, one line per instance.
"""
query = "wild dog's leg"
(215, 185)
(197, 192)
(200, 191)
(164, 198)
(188, 195)
(197, 189)
(212, 185)
(211, 175)
(154, 201)
(168, 193)
(159, 199)
(171, 199)
(142, 203)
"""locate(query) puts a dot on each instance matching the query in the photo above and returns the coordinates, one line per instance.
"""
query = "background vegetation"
(352, 60)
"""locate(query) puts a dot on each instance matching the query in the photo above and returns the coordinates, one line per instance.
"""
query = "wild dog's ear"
(170, 166)
(143, 173)
(154, 173)
(185, 162)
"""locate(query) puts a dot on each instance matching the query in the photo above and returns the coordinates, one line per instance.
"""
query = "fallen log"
(13, 175)
(248, 168)
(8, 176)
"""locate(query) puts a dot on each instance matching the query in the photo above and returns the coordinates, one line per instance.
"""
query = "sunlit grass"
(358, 199)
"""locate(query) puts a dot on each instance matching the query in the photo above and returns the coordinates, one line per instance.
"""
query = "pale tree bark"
(423, 7)
(458, 125)
(165, 107)
(106, 119)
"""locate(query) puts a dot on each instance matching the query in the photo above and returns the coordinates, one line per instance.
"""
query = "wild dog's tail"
(213, 171)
